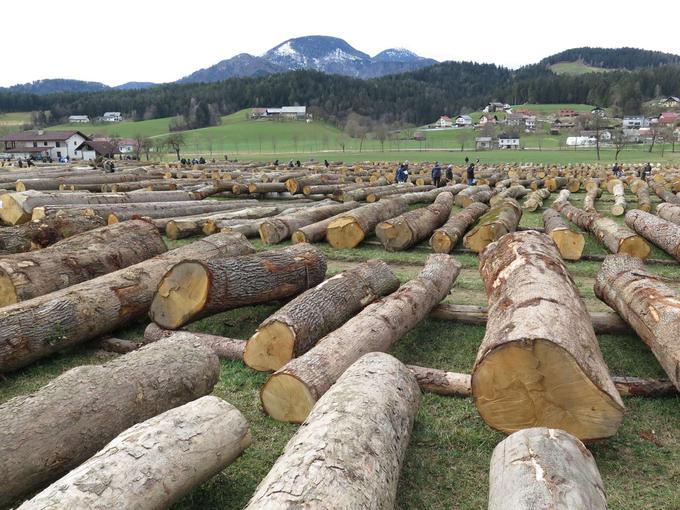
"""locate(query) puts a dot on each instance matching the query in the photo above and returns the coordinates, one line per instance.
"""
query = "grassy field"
(447, 461)
(575, 68)
(14, 118)
(125, 129)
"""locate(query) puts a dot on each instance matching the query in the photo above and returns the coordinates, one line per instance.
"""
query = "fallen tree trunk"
(494, 224)
(589, 200)
(375, 403)
(666, 195)
(36, 328)
(439, 382)
(410, 228)
(165, 210)
(569, 242)
(47, 433)
(295, 328)
(316, 232)
(447, 236)
(619, 207)
(180, 228)
(193, 289)
(153, 464)
(290, 393)
(277, 229)
(77, 259)
(349, 230)
(224, 348)
(638, 387)
(544, 468)
(535, 199)
(662, 233)
(642, 194)
(374, 196)
(669, 212)
(539, 363)
(647, 304)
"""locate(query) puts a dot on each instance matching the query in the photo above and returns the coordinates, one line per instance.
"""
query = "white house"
(506, 141)
(463, 121)
(635, 122)
(112, 117)
(598, 111)
(483, 143)
(487, 119)
(54, 144)
(581, 141)
(90, 149)
(78, 119)
(444, 122)
(530, 122)
(289, 112)
(127, 145)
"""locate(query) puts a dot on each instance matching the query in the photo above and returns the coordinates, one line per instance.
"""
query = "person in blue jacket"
(436, 174)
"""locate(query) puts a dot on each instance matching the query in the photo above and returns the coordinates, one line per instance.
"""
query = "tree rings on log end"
(182, 293)
(271, 347)
(112, 219)
(299, 237)
(344, 233)
(569, 243)
(8, 293)
(483, 236)
(618, 210)
(394, 234)
(11, 211)
(172, 231)
(286, 398)
(537, 383)
(441, 242)
(635, 246)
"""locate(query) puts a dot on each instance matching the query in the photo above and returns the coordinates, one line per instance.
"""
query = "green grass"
(14, 118)
(125, 129)
(545, 108)
(576, 68)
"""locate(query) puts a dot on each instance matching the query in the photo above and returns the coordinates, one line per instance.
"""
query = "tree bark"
(535, 199)
(482, 194)
(378, 194)
(569, 242)
(170, 209)
(662, 233)
(666, 195)
(350, 451)
(77, 259)
(290, 393)
(281, 227)
(638, 387)
(449, 384)
(647, 304)
(515, 192)
(315, 232)
(153, 464)
(446, 237)
(669, 212)
(539, 363)
(362, 193)
(589, 200)
(410, 228)
(193, 289)
(295, 328)
(495, 223)
(349, 230)
(544, 468)
(45, 434)
(180, 228)
(619, 207)
(642, 193)
(223, 347)
(36, 328)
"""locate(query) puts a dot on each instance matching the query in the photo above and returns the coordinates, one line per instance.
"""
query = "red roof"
(444, 117)
(41, 136)
(668, 117)
(26, 150)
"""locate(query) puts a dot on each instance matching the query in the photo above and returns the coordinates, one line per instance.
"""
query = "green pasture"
(575, 68)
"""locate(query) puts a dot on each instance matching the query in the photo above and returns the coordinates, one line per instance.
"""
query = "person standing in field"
(467, 160)
(449, 173)
(401, 173)
(436, 174)
(471, 174)
(647, 171)
(616, 170)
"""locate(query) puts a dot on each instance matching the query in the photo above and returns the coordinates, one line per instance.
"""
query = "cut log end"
(181, 294)
(394, 235)
(442, 242)
(111, 219)
(268, 233)
(483, 236)
(172, 231)
(299, 237)
(286, 398)
(8, 293)
(271, 347)
(618, 210)
(539, 384)
(635, 246)
(344, 233)
(569, 243)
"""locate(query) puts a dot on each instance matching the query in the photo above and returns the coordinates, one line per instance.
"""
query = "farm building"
(78, 119)
(670, 102)
(127, 145)
(598, 112)
(668, 118)
(515, 119)
(496, 107)
(483, 143)
(54, 144)
(91, 149)
(112, 117)
(487, 119)
(508, 141)
(444, 122)
(463, 121)
(568, 112)
(530, 122)
(635, 122)
(288, 112)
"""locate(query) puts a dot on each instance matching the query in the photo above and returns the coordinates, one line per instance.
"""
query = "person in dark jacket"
(436, 174)
(449, 173)
(326, 163)
(298, 164)
(647, 171)
(617, 170)
(471, 174)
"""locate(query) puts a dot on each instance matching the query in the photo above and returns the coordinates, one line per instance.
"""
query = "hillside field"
(575, 68)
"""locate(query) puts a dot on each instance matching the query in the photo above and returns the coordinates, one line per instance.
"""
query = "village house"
(599, 112)
(568, 112)
(515, 119)
(78, 119)
(496, 107)
(40, 143)
(635, 122)
(444, 122)
(488, 119)
(91, 149)
(670, 102)
(464, 121)
(668, 118)
(288, 112)
(507, 141)
(530, 122)
(112, 117)
(483, 143)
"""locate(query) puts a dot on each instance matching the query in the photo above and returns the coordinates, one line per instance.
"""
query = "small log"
(589, 200)
(662, 233)
(569, 242)
(439, 382)
(666, 195)
(279, 228)
(669, 212)
(374, 196)
(495, 223)
(180, 228)
(349, 230)
(535, 200)
(447, 236)
(639, 387)
(224, 348)
(619, 207)
(642, 193)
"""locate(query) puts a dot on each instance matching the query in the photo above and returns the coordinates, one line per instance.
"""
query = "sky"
(159, 41)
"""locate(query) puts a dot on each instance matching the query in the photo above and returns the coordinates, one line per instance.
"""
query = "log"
(569, 242)
(153, 464)
(376, 195)
(539, 363)
(495, 223)
(439, 382)
(619, 239)
(662, 233)
(193, 289)
(515, 192)
(349, 230)
(77, 259)
(36, 328)
(535, 199)
(316, 232)
(169, 209)
(642, 193)
(481, 194)
(47, 433)
(447, 236)
(647, 304)
(619, 207)
(589, 200)
(224, 348)
(291, 392)
(639, 387)
(374, 403)
(669, 212)
(666, 195)
(295, 328)
(180, 228)
(544, 468)
(281, 227)
(118, 345)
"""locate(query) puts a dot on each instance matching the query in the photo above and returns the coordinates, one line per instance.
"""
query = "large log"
(666, 195)
(447, 236)
(647, 304)
(669, 212)
(193, 289)
(36, 328)
(349, 230)
(569, 242)
(47, 433)
(642, 193)
(544, 468)
(535, 199)
(277, 229)
(169, 209)
(153, 464)
(662, 233)
(350, 450)
(410, 228)
(495, 223)
(316, 232)
(290, 393)
(619, 207)
(539, 363)
(374, 196)
(180, 228)
(225, 348)
(54, 183)
(295, 328)
(77, 259)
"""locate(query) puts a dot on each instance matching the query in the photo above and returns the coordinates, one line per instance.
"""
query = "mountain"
(53, 86)
(135, 85)
(613, 58)
(241, 65)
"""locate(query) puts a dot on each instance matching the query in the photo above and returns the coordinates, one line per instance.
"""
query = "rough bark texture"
(647, 304)
(33, 329)
(619, 207)
(45, 434)
(447, 236)
(316, 232)
(642, 193)
(281, 227)
(349, 452)
(535, 199)
(539, 363)
(410, 228)
(662, 233)
(194, 288)
(669, 212)
(349, 230)
(180, 228)
(589, 200)
(162, 210)
(569, 242)
(223, 347)
(494, 224)
(291, 391)
(77, 259)
(374, 196)
(449, 384)
(153, 464)
(295, 328)
(638, 387)
(39, 234)
(538, 468)
(666, 195)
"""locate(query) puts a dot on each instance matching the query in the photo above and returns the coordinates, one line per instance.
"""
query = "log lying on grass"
(447, 236)
(647, 304)
(316, 232)
(154, 463)
(194, 288)
(224, 348)
(589, 200)
(569, 242)
(290, 393)
(619, 207)
(669, 212)
(666, 195)
(495, 223)
(544, 468)
(277, 229)
(180, 228)
(639, 387)
(535, 199)
(166, 210)
(36, 328)
(440, 382)
(47, 433)
(76, 259)
(539, 363)
(642, 193)
(350, 229)
(295, 328)
(374, 403)
(662, 233)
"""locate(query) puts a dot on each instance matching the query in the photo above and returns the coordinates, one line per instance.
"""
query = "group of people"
(643, 173)
(402, 173)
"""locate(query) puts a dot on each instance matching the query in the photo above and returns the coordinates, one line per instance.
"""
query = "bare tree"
(619, 140)
(140, 141)
(175, 141)
(464, 137)
(655, 130)
(381, 135)
(160, 147)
